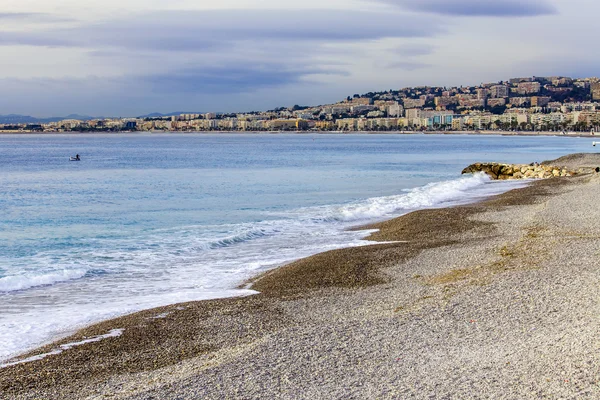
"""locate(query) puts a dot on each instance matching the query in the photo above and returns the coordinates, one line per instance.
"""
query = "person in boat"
(77, 157)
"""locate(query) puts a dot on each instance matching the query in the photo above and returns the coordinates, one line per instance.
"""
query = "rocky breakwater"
(518, 171)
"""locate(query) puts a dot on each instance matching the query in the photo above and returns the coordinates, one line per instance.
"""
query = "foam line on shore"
(28, 281)
(226, 323)
(64, 347)
(450, 226)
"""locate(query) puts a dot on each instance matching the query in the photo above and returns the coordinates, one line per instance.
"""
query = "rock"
(518, 171)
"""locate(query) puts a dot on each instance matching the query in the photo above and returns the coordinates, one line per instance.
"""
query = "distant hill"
(27, 119)
(161, 115)
(80, 117)
(18, 119)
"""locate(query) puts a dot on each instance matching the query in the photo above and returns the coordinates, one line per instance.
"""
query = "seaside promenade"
(396, 132)
(499, 299)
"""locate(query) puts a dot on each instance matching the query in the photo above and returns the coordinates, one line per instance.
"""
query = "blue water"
(151, 219)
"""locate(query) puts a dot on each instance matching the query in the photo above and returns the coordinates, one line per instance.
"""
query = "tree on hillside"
(498, 110)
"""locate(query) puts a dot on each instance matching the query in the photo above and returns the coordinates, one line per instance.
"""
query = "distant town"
(535, 104)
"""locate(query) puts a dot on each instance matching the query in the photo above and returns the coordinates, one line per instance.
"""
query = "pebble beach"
(499, 299)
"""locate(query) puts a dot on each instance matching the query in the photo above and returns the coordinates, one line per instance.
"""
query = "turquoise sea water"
(152, 219)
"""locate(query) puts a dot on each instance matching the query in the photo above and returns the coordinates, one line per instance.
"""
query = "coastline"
(396, 132)
(176, 343)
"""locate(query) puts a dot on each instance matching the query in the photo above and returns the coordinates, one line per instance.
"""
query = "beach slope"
(499, 299)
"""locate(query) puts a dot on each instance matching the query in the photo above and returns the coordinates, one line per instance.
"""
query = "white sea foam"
(30, 280)
(244, 234)
(434, 194)
(160, 267)
(64, 347)
(438, 194)
(37, 326)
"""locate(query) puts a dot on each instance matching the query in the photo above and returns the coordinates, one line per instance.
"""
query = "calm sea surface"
(147, 220)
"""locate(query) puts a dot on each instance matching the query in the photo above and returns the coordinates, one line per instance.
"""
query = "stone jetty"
(519, 171)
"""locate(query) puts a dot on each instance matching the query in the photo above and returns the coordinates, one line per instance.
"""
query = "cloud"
(199, 80)
(223, 88)
(408, 65)
(156, 60)
(230, 79)
(201, 30)
(409, 56)
(479, 8)
(34, 39)
(574, 66)
(414, 50)
(33, 16)
(5, 16)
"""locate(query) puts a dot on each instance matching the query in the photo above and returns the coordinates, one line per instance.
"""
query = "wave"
(431, 195)
(300, 228)
(186, 263)
(241, 237)
(27, 281)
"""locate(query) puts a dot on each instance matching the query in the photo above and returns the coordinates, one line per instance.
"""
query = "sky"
(133, 57)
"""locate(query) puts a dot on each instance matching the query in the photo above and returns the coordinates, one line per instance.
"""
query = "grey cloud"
(33, 16)
(202, 30)
(232, 79)
(161, 38)
(35, 39)
(479, 8)
(414, 50)
(410, 54)
(209, 88)
(198, 80)
(300, 25)
(6, 16)
(212, 53)
(408, 65)
(579, 66)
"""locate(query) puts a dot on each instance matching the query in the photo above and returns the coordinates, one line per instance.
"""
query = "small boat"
(74, 159)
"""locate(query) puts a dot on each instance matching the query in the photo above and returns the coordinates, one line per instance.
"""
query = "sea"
(145, 220)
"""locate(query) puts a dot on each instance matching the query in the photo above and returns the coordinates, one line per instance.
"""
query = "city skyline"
(550, 104)
(137, 57)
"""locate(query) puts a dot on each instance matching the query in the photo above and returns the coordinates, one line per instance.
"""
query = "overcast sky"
(132, 57)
